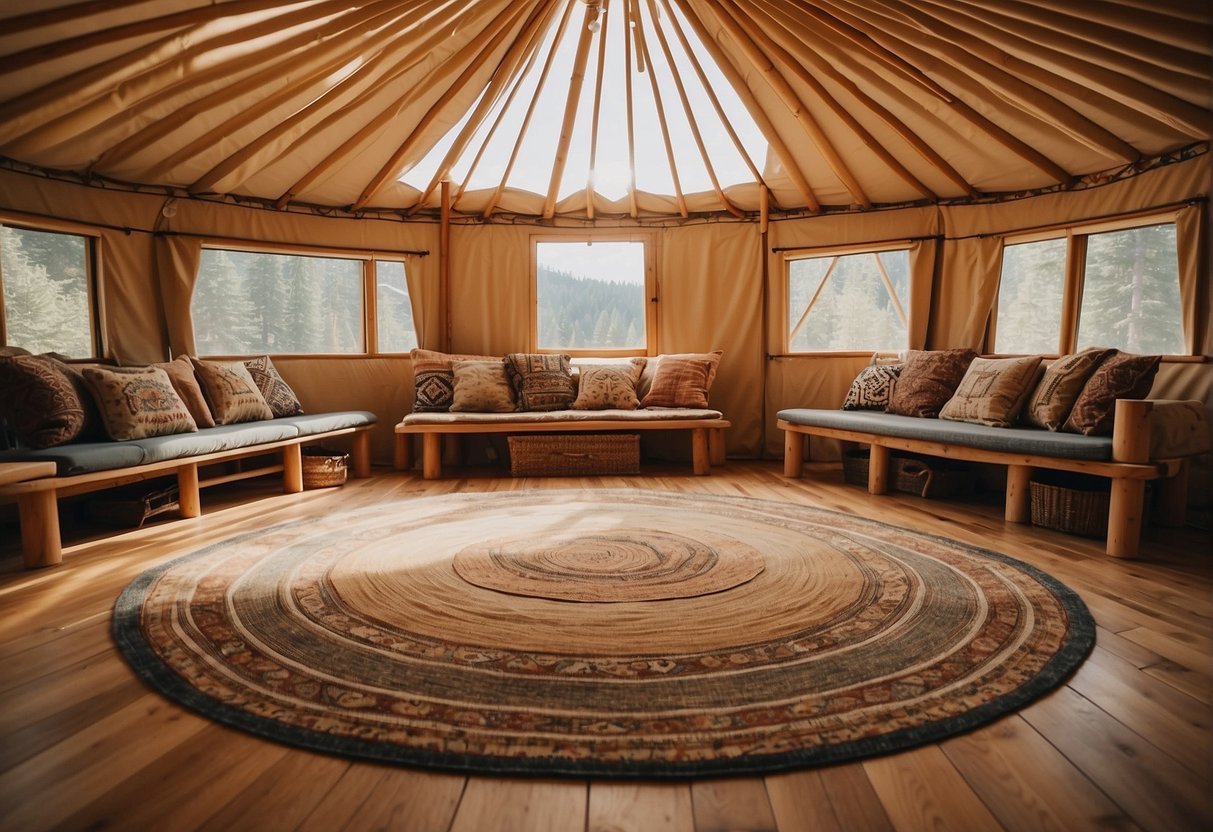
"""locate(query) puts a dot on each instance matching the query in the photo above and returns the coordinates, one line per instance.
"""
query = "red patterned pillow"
(928, 379)
(680, 382)
(1120, 376)
(39, 401)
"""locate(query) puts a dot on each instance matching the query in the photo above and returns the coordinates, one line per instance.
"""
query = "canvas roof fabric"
(601, 108)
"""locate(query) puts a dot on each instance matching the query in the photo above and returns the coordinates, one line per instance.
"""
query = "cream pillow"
(481, 387)
(609, 386)
(231, 392)
(138, 402)
(992, 391)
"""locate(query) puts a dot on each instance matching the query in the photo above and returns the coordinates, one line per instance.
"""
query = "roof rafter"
(627, 84)
(661, 120)
(570, 109)
(589, 179)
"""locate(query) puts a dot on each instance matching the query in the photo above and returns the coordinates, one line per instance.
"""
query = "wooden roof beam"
(576, 81)
(756, 112)
(627, 86)
(589, 179)
(643, 49)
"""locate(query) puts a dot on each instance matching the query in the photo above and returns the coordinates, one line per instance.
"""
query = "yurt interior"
(606, 415)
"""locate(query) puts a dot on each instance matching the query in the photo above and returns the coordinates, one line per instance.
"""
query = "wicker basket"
(924, 476)
(323, 468)
(574, 454)
(1081, 511)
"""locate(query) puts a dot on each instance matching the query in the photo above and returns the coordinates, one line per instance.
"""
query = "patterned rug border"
(1078, 644)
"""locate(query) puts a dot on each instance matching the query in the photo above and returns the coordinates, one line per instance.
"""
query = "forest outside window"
(848, 301)
(247, 302)
(47, 283)
(1107, 287)
(593, 295)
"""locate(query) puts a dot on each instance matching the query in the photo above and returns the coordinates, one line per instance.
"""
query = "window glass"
(590, 295)
(848, 302)
(1130, 295)
(1030, 297)
(45, 278)
(257, 302)
(397, 332)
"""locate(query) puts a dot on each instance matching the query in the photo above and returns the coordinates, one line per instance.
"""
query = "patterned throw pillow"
(872, 388)
(181, 373)
(231, 392)
(609, 386)
(39, 401)
(993, 391)
(138, 402)
(928, 379)
(278, 394)
(434, 377)
(540, 381)
(1050, 403)
(482, 387)
(650, 370)
(1121, 376)
(680, 382)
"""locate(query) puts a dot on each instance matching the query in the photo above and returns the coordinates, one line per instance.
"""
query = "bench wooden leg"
(878, 469)
(402, 458)
(40, 541)
(1124, 517)
(1171, 499)
(1019, 494)
(431, 456)
(292, 469)
(360, 455)
(701, 458)
(716, 446)
(189, 500)
(793, 453)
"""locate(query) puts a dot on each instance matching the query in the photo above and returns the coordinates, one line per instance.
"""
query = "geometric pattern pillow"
(181, 373)
(992, 391)
(232, 393)
(541, 381)
(39, 401)
(872, 388)
(1121, 376)
(137, 402)
(928, 379)
(609, 386)
(1053, 399)
(278, 394)
(680, 382)
(434, 376)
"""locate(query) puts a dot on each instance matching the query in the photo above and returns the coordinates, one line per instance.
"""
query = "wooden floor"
(1124, 745)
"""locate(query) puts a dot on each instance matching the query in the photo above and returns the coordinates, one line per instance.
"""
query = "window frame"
(367, 259)
(651, 242)
(93, 276)
(1076, 237)
(815, 252)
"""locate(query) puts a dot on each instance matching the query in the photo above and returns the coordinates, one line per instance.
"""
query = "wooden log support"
(1130, 443)
(431, 456)
(292, 469)
(189, 498)
(1019, 494)
(878, 469)
(360, 455)
(701, 458)
(40, 542)
(793, 453)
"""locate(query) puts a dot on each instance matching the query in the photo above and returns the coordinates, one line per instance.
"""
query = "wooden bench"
(1129, 464)
(707, 432)
(37, 497)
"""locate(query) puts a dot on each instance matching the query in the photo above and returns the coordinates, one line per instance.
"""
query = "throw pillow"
(540, 381)
(138, 402)
(39, 401)
(181, 373)
(928, 379)
(278, 394)
(481, 387)
(680, 382)
(231, 392)
(993, 391)
(650, 370)
(609, 386)
(434, 379)
(1120, 376)
(872, 388)
(1050, 403)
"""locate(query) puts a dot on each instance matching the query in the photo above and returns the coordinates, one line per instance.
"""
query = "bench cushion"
(1031, 441)
(656, 414)
(309, 424)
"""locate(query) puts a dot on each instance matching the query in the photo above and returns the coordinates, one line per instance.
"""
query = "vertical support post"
(431, 456)
(1130, 443)
(1019, 494)
(39, 515)
(878, 469)
(444, 266)
(292, 468)
(793, 453)
(360, 454)
(701, 459)
(189, 498)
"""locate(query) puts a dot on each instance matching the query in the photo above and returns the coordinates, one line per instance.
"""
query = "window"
(47, 289)
(1124, 292)
(592, 295)
(848, 301)
(249, 302)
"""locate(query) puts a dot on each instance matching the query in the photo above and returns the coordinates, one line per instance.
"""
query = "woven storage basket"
(1072, 510)
(926, 477)
(574, 454)
(324, 469)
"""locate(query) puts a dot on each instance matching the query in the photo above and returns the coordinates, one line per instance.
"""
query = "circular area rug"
(607, 633)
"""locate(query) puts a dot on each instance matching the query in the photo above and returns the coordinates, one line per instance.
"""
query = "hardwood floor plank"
(732, 805)
(282, 797)
(921, 789)
(1194, 683)
(855, 802)
(408, 799)
(640, 807)
(512, 805)
(799, 801)
(1027, 784)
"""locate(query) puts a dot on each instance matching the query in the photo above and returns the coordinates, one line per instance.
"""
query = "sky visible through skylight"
(532, 168)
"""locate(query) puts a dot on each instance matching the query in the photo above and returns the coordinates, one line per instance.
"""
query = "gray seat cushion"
(309, 424)
(81, 457)
(1033, 441)
(213, 440)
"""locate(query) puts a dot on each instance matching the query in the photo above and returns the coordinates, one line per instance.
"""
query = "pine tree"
(41, 314)
(225, 321)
